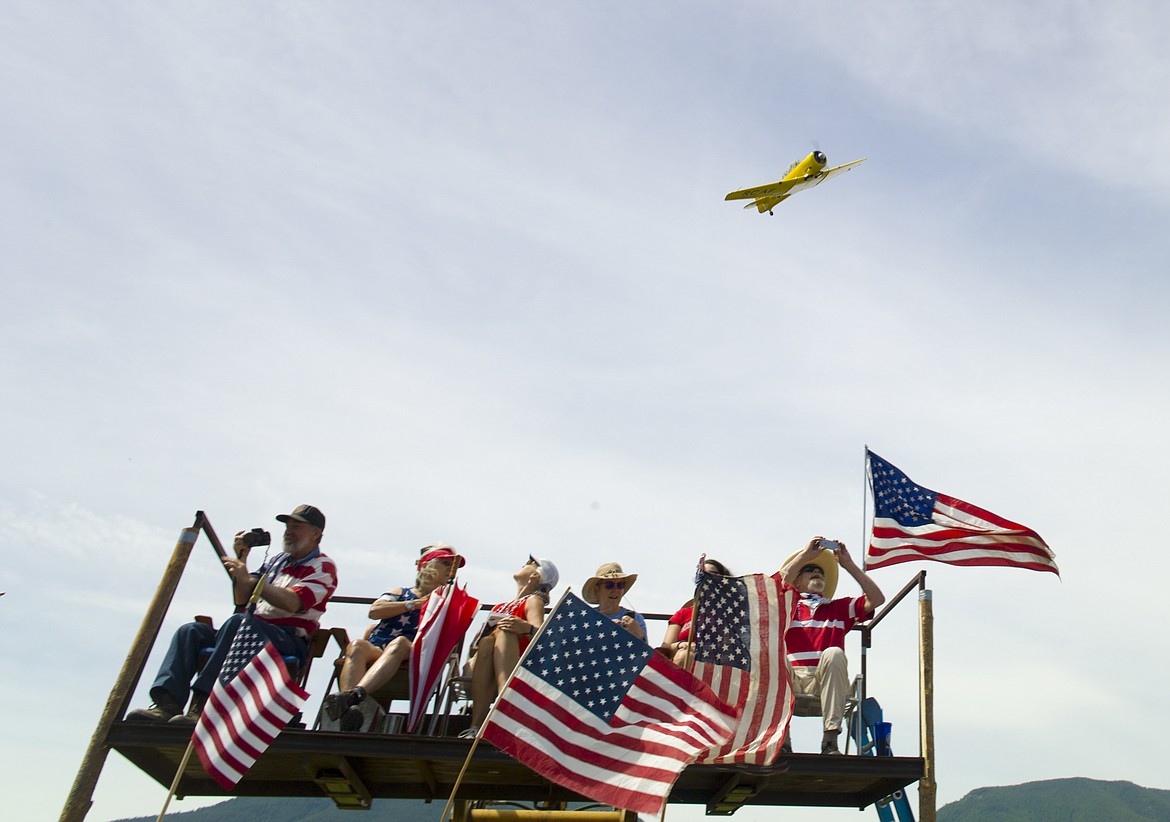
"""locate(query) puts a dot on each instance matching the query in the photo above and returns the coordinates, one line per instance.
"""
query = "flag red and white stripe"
(446, 616)
(242, 716)
(740, 623)
(913, 523)
(596, 710)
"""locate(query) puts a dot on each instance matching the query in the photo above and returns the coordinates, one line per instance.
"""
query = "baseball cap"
(549, 575)
(305, 513)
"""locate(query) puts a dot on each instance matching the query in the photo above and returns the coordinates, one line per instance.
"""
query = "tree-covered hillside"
(1061, 800)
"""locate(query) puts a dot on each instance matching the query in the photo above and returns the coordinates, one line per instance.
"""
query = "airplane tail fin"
(765, 203)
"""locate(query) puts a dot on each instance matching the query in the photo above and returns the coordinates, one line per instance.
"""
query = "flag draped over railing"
(595, 709)
(447, 615)
(738, 633)
(252, 700)
(911, 523)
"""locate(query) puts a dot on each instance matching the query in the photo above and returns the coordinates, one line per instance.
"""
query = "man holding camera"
(299, 582)
(816, 635)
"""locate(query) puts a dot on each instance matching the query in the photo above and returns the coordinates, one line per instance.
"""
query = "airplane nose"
(819, 156)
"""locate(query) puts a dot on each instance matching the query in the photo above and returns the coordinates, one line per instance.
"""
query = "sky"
(464, 272)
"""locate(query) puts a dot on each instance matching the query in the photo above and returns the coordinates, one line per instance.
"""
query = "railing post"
(80, 798)
(926, 785)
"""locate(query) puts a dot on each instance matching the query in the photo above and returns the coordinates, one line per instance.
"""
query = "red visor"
(442, 552)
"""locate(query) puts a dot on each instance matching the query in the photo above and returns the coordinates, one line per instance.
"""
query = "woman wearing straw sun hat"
(605, 589)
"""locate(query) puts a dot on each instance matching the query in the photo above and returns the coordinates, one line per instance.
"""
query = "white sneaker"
(469, 733)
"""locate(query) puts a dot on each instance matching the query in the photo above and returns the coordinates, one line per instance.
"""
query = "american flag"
(911, 522)
(252, 700)
(446, 617)
(739, 651)
(598, 711)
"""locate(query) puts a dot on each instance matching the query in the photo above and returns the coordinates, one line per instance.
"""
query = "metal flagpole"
(864, 509)
(864, 557)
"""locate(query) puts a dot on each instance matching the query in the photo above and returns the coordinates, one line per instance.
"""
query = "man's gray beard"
(816, 585)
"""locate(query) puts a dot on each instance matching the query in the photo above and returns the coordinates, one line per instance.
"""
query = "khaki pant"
(830, 679)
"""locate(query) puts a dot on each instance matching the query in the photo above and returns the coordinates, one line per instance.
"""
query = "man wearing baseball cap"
(815, 638)
(299, 581)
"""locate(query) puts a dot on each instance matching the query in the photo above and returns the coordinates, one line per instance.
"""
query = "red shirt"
(682, 619)
(818, 624)
(519, 609)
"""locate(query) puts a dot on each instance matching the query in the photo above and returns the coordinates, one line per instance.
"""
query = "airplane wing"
(833, 172)
(780, 189)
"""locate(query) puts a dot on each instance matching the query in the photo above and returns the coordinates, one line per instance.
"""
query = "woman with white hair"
(509, 629)
(373, 661)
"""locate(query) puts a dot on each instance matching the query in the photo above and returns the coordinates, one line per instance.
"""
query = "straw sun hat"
(609, 572)
(827, 561)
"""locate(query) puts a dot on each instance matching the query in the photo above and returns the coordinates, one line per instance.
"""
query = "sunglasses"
(611, 585)
(808, 569)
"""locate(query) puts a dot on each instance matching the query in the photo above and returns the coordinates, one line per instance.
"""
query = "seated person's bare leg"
(483, 679)
(506, 655)
(359, 656)
(387, 664)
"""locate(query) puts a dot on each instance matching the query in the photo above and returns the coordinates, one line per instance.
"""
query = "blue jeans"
(180, 665)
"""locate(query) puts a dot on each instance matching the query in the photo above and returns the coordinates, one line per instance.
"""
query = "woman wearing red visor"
(372, 662)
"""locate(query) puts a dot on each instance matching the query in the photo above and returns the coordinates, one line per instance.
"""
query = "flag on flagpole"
(739, 630)
(595, 709)
(445, 618)
(911, 523)
(252, 700)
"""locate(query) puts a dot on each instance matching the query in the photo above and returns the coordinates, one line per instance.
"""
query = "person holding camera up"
(816, 636)
(299, 582)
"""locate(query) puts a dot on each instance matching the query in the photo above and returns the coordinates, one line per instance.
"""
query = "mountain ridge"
(1070, 799)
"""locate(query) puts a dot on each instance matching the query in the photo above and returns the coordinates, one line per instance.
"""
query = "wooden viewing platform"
(401, 766)
(354, 769)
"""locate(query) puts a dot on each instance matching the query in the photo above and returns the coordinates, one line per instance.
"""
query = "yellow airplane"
(802, 174)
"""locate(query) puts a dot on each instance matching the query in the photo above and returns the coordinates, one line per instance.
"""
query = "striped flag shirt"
(313, 578)
(595, 709)
(818, 624)
(914, 523)
(739, 630)
(252, 700)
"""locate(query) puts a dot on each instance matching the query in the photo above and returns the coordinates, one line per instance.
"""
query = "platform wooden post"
(926, 786)
(80, 798)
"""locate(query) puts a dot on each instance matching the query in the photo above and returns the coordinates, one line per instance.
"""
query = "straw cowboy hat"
(827, 562)
(609, 572)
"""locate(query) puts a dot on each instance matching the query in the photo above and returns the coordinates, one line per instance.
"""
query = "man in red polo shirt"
(816, 636)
